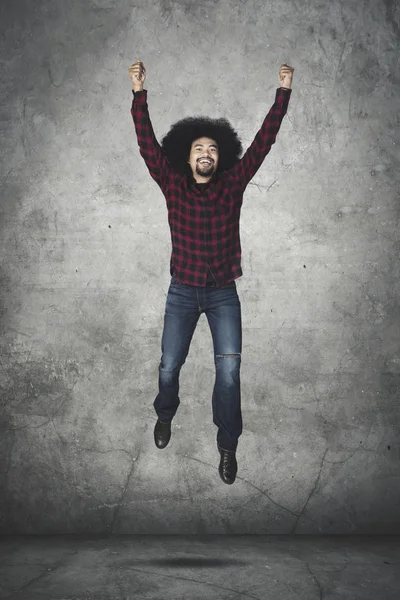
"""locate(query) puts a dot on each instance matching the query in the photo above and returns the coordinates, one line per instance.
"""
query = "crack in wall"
(116, 512)
(311, 493)
(263, 492)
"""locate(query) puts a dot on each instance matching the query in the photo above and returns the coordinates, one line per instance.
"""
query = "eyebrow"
(211, 145)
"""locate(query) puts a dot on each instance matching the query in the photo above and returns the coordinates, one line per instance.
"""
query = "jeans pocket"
(232, 284)
(178, 284)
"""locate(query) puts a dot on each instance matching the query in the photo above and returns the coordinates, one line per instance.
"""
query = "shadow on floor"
(209, 563)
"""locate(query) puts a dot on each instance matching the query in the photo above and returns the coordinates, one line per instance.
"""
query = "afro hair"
(176, 144)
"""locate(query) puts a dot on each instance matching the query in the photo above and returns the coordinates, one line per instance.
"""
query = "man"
(198, 169)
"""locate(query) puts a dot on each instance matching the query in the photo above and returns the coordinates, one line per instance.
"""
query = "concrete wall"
(85, 254)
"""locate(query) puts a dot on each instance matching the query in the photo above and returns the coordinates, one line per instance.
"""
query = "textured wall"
(85, 256)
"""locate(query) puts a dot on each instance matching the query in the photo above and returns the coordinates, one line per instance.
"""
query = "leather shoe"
(228, 465)
(162, 433)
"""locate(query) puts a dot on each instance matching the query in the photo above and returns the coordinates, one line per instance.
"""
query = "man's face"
(203, 159)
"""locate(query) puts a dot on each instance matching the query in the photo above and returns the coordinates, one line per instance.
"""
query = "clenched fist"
(137, 73)
(285, 76)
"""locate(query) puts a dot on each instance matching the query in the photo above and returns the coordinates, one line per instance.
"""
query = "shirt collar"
(213, 179)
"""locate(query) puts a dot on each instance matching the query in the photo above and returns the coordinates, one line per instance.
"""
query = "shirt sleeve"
(253, 158)
(149, 147)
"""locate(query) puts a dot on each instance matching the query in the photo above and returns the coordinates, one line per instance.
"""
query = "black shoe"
(162, 433)
(228, 465)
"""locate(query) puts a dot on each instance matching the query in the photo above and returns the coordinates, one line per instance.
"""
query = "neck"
(199, 179)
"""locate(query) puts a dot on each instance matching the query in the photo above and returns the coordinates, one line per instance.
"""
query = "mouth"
(205, 162)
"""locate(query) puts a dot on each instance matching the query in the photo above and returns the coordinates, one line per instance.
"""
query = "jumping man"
(198, 169)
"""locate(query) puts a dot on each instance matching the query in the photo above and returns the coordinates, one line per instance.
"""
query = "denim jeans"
(184, 305)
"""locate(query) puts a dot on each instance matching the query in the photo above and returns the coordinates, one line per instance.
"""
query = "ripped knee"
(238, 355)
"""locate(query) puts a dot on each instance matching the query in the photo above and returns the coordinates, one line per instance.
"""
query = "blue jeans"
(184, 305)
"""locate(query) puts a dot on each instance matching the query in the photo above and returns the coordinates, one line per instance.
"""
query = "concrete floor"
(200, 567)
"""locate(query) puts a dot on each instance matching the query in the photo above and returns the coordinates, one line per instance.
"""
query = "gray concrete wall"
(85, 254)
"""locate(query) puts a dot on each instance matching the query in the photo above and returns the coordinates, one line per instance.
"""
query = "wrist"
(138, 89)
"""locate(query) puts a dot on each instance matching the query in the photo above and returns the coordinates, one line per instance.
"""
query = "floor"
(200, 567)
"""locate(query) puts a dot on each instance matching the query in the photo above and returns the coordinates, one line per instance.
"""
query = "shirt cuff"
(139, 97)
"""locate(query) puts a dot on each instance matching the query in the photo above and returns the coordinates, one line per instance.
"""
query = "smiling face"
(203, 159)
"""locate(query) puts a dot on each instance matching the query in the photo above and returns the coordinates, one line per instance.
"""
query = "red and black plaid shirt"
(205, 224)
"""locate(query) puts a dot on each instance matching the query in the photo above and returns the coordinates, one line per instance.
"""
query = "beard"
(204, 169)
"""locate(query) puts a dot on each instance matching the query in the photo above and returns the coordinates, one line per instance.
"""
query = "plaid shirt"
(204, 222)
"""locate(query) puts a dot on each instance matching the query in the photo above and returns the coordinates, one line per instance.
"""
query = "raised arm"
(149, 147)
(253, 158)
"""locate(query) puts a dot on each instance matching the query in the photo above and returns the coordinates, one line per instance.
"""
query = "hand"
(137, 73)
(285, 76)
